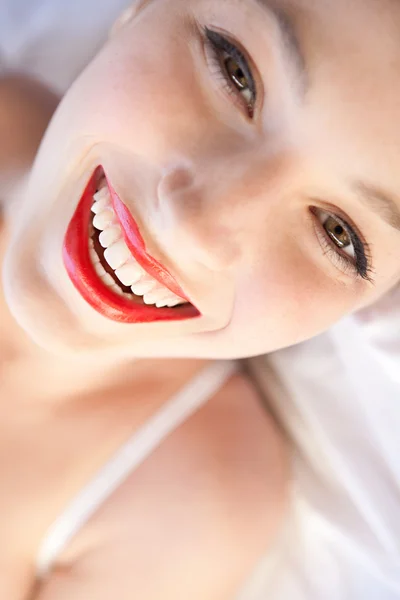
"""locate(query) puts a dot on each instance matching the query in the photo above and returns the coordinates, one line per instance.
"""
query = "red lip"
(82, 274)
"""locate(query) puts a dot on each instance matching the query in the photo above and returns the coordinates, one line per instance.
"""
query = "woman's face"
(256, 145)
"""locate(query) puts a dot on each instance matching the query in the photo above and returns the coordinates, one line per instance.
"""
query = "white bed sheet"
(338, 396)
(54, 39)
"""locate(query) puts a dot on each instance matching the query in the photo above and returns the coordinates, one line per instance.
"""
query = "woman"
(211, 187)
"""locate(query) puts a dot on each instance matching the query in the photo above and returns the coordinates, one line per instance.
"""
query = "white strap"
(133, 452)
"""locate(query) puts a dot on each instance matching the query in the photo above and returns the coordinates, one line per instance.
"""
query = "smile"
(106, 259)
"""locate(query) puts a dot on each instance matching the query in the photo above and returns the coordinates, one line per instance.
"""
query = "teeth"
(94, 256)
(158, 295)
(143, 287)
(174, 302)
(117, 290)
(100, 270)
(119, 258)
(130, 272)
(108, 280)
(150, 298)
(160, 301)
(102, 193)
(161, 304)
(117, 254)
(109, 236)
(104, 219)
(101, 204)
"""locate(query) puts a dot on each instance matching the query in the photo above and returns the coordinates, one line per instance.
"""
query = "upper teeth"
(117, 254)
(120, 259)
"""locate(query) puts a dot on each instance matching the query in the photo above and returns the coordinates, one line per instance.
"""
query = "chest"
(46, 457)
(201, 494)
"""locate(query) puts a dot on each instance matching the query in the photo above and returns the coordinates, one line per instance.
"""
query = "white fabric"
(54, 39)
(142, 443)
(337, 396)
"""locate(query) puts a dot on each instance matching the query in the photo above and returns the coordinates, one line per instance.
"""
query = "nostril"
(175, 179)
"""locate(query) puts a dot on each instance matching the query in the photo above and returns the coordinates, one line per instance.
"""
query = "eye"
(342, 244)
(231, 67)
(339, 235)
(238, 77)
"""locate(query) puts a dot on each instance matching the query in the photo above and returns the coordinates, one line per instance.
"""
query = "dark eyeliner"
(362, 261)
(361, 250)
(221, 43)
(361, 253)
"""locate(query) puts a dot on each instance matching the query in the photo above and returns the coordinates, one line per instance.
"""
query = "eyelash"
(216, 45)
(361, 267)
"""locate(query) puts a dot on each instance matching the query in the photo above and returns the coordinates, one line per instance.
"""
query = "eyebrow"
(290, 40)
(373, 197)
(380, 202)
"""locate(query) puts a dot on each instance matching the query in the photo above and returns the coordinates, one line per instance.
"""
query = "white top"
(142, 443)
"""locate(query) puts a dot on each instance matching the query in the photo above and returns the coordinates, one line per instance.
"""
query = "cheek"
(286, 300)
(138, 96)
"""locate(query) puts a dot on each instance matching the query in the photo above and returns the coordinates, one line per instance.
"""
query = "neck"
(48, 381)
(35, 375)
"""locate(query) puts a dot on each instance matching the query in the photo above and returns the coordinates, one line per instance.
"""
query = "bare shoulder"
(26, 107)
(199, 513)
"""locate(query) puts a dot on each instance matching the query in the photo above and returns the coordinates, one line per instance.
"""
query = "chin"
(68, 328)
(40, 312)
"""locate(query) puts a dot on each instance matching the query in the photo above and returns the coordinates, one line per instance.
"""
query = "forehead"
(341, 11)
(352, 53)
(350, 33)
(339, 36)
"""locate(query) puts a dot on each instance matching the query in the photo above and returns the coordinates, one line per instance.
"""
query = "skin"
(149, 110)
(224, 203)
(26, 107)
(201, 469)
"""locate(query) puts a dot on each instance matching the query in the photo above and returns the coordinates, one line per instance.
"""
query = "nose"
(213, 208)
(190, 214)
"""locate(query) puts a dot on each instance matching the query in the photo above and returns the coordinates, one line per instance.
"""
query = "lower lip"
(85, 279)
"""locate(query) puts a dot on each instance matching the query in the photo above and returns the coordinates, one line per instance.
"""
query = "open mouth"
(106, 259)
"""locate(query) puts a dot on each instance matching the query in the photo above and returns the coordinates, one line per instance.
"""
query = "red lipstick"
(85, 279)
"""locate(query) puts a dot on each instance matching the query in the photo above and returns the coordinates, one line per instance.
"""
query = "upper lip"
(137, 246)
